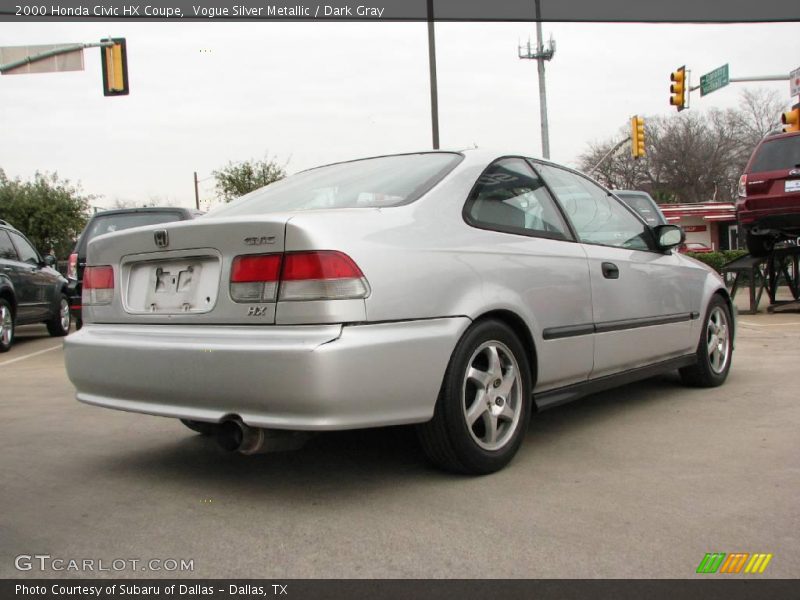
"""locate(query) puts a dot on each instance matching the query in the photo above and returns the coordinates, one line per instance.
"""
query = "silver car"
(459, 291)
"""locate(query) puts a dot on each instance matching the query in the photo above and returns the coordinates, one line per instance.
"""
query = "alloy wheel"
(6, 325)
(717, 340)
(492, 395)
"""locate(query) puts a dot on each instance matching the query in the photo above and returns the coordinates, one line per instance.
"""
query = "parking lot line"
(31, 355)
(780, 324)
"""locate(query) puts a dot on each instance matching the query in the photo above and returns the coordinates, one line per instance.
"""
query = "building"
(710, 223)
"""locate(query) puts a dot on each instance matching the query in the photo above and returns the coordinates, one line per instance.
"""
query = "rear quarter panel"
(424, 261)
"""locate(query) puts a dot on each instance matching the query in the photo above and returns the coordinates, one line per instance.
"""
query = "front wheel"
(715, 349)
(58, 326)
(484, 404)
(6, 326)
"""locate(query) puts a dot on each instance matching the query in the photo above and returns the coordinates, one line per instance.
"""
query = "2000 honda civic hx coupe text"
(460, 291)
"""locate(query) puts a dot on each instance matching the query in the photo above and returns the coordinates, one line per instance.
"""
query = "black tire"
(7, 325)
(201, 427)
(705, 373)
(58, 326)
(447, 439)
(759, 245)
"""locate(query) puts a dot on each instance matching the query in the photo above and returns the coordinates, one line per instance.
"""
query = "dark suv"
(768, 207)
(31, 291)
(107, 222)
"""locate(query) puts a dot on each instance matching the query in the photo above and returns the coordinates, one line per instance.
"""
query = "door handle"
(610, 270)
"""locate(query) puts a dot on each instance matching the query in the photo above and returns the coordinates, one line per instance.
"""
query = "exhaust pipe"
(235, 436)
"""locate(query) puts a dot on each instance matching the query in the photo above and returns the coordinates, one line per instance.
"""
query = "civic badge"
(161, 238)
(794, 172)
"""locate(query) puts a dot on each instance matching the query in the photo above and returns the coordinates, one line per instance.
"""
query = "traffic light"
(678, 89)
(637, 136)
(114, 60)
(791, 119)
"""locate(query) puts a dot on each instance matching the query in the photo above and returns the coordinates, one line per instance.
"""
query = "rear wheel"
(201, 426)
(484, 404)
(759, 245)
(58, 326)
(6, 326)
(715, 349)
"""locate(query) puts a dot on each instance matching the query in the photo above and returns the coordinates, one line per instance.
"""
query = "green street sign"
(711, 82)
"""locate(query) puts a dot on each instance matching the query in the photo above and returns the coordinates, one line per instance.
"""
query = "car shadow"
(349, 461)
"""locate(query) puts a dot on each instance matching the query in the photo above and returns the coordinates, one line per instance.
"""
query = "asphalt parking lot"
(637, 482)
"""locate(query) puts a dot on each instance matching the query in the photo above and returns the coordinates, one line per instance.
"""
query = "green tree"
(238, 179)
(51, 212)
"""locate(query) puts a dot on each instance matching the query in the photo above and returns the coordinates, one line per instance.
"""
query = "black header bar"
(599, 11)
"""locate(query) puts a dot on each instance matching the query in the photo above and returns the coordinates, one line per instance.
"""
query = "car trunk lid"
(180, 272)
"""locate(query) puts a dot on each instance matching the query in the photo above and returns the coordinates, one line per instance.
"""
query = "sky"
(305, 94)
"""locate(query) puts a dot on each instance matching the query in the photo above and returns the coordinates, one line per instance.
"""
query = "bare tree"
(761, 110)
(619, 170)
(695, 156)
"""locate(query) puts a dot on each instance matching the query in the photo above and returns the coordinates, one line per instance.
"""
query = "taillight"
(322, 275)
(743, 186)
(72, 266)
(319, 275)
(98, 285)
(255, 278)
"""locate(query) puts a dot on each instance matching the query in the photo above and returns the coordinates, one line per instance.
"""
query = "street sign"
(711, 82)
(71, 61)
(794, 82)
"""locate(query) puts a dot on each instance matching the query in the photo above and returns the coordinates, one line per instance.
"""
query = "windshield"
(644, 206)
(368, 183)
(777, 155)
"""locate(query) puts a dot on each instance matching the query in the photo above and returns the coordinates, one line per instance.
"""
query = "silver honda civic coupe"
(458, 291)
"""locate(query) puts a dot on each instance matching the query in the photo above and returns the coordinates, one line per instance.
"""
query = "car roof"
(776, 135)
(7, 225)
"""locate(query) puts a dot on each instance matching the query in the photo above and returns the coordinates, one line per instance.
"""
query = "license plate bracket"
(175, 286)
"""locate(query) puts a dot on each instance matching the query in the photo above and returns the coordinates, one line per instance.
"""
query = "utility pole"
(196, 192)
(432, 69)
(540, 55)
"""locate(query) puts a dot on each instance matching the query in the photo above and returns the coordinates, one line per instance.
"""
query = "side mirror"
(50, 260)
(669, 236)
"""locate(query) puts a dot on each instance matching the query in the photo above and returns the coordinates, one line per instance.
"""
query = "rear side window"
(367, 183)
(7, 249)
(510, 197)
(110, 223)
(777, 155)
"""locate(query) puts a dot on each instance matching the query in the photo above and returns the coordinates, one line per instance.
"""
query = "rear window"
(777, 155)
(367, 183)
(110, 223)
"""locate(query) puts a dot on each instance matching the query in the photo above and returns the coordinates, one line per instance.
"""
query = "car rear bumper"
(765, 215)
(319, 377)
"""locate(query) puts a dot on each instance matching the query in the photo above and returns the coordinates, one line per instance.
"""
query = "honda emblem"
(161, 238)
